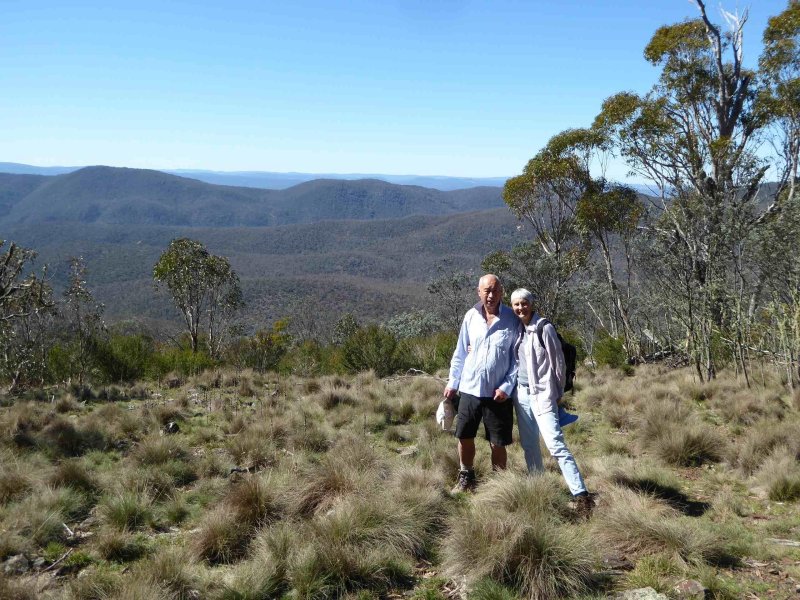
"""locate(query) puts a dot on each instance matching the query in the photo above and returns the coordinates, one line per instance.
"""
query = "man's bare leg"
(499, 457)
(466, 452)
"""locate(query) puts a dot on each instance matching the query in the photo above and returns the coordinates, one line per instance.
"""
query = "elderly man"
(484, 369)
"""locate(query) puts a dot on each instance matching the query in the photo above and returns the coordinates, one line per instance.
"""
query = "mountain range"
(279, 181)
(320, 248)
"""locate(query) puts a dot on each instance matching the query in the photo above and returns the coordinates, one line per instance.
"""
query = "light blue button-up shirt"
(484, 359)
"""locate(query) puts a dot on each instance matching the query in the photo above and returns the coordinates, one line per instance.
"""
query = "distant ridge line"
(278, 180)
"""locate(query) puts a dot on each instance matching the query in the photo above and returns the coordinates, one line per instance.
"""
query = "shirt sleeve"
(556, 355)
(459, 355)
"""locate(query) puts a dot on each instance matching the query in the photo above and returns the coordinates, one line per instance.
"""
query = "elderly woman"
(540, 384)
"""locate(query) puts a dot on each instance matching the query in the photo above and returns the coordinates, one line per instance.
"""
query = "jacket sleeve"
(459, 355)
(555, 354)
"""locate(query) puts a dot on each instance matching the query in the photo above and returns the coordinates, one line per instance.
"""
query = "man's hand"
(500, 396)
(449, 393)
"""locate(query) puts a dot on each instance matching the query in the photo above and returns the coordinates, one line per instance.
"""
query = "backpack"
(570, 353)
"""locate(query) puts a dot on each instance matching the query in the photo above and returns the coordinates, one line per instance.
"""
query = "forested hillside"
(144, 197)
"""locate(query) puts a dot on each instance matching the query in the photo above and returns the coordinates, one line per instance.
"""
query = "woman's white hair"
(522, 294)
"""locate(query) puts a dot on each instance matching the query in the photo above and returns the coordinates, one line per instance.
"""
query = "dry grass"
(514, 534)
(349, 468)
(688, 444)
(250, 504)
(330, 508)
(780, 475)
(762, 439)
(639, 525)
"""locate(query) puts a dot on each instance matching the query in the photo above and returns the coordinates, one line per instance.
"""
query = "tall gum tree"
(698, 136)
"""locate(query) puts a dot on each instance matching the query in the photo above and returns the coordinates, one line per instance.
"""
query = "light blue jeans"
(546, 422)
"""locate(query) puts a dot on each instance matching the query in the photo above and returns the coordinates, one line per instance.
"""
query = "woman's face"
(522, 308)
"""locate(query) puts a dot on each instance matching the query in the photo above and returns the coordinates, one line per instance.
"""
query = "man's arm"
(506, 387)
(555, 355)
(457, 362)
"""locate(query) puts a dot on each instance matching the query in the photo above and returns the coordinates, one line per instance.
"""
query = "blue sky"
(465, 88)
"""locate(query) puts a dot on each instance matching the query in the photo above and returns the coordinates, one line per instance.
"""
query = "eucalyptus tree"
(83, 322)
(545, 196)
(203, 287)
(25, 304)
(699, 137)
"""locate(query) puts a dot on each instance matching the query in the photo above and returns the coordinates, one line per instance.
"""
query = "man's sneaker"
(466, 482)
(565, 418)
(584, 505)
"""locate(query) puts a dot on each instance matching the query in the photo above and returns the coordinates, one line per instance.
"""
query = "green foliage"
(261, 352)
(429, 353)
(125, 357)
(182, 361)
(201, 286)
(372, 348)
(413, 324)
(610, 351)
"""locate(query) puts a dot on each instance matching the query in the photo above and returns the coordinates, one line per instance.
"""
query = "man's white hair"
(522, 294)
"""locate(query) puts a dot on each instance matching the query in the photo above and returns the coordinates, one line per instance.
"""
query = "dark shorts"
(498, 419)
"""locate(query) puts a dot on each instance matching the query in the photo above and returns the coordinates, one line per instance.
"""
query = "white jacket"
(545, 366)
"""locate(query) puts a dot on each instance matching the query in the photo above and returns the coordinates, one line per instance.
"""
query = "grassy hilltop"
(279, 486)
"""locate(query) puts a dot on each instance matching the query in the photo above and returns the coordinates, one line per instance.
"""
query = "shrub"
(183, 362)
(261, 352)
(125, 357)
(609, 351)
(372, 348)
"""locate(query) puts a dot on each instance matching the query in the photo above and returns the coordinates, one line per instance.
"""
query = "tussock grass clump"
(21, 422)
(158, 450)
(361, 543)
(780, 475)
(638, 526)
(221, 538)
(689, 445)
(658, 414)
(13, 482)
(762, 439)
(661, 484)
(350, 467)
(253, 447)
(14, 590)
(66, 404)
(165, 413)
(226, 533)
(173, 570)
(74, 474)
(126, 509)
(514, 534)
(329, 397)
(747, 406)
(120, 546)
(657, 571)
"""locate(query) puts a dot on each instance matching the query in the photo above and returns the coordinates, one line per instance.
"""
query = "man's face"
(522, 308)
(490, 293)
